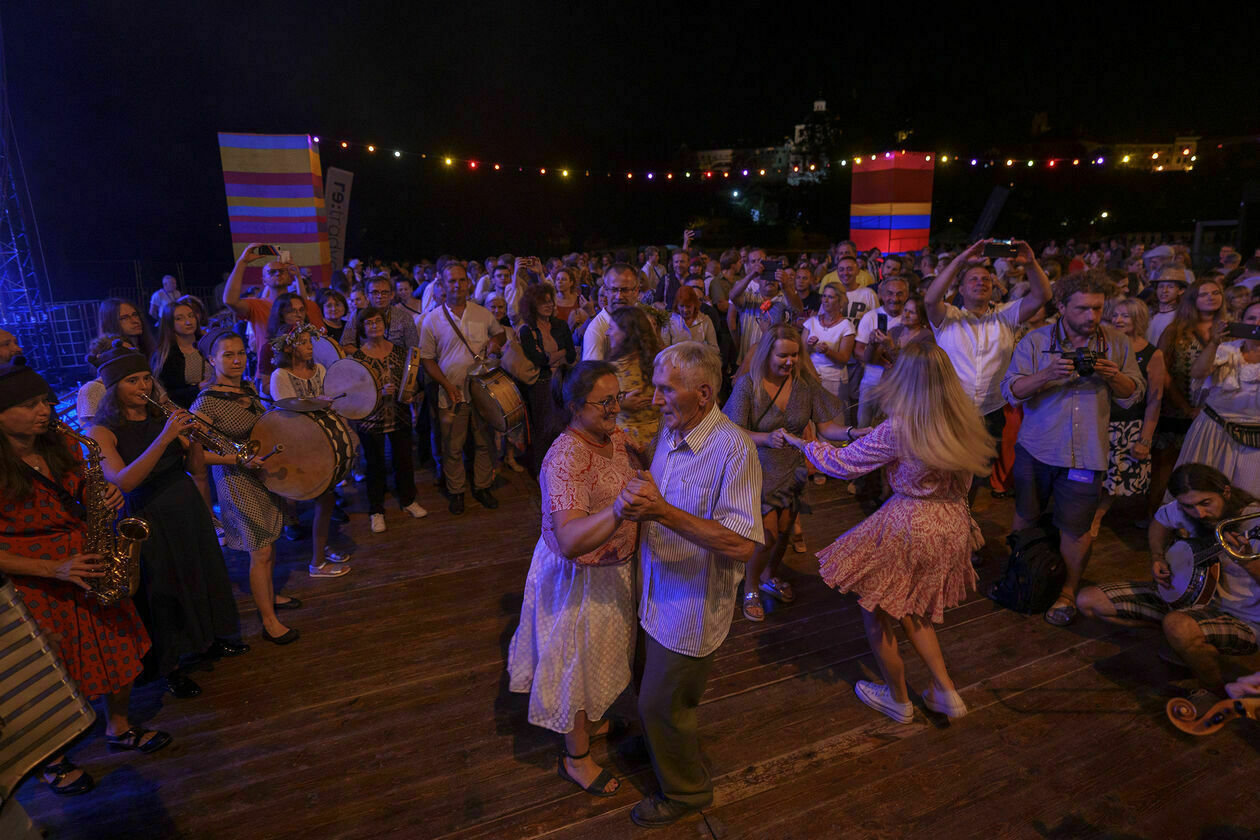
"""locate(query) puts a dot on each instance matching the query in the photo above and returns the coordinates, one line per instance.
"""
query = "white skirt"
(574, 648)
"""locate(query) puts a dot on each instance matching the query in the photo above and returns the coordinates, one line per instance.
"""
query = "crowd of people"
(677, 408)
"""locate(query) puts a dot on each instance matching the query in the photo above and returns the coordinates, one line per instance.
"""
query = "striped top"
(688, 591)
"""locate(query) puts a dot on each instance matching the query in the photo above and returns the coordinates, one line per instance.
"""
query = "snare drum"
(326, 350)
(319, 449)
(353, 388)
(497, 399)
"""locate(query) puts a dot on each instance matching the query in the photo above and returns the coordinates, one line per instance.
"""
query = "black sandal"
(59, 771)
(132, 740)
(595, 788)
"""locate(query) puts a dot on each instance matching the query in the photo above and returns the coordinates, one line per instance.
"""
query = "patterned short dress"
(574, 648)
(1128, 475)
(250, 513)
(913, 555)
(101, 646)
(641, 424)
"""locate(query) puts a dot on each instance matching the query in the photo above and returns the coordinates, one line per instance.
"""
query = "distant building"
(802, 158)
(1179, 156)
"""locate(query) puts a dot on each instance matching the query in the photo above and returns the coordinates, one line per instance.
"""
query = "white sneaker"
(879, 697)
(378, 523)
(415, 510)
(950, 705)
(328, 570)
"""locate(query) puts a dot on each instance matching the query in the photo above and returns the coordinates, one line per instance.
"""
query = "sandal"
(59, 771)
(133, 739)
(595, 788)
(779, 589)
(617, 727)
(1061, 613)
(753, 609)
(798, 543)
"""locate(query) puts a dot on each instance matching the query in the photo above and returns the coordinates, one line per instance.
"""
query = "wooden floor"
(391, 716)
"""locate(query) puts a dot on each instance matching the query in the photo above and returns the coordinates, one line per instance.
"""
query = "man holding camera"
(1066, 375)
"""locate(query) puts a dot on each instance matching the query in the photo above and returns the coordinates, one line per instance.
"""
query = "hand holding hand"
(641, 499)
(77, 568)
(792, 440)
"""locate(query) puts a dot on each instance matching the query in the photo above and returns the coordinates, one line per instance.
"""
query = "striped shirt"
(688, 591)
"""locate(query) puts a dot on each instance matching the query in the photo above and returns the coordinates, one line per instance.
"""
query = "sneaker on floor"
(416, 511)
(879, 697)
(378, 523)
(949, 704)
(328, 570)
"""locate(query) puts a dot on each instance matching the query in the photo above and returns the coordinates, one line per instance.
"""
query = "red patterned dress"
(913, 555)
(101, 646)
(574, 648)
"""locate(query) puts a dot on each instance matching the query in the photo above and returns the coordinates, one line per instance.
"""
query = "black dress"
(185, 597)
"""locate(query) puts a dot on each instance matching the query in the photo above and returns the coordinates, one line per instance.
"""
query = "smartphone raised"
(881, 319)
(267, 251)
(769, 267)
(1245, 331)
(1000, 249)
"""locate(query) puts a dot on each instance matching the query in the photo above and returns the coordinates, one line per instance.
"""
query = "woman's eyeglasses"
(609, 402)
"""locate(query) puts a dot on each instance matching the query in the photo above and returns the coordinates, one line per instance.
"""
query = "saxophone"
(120, 549)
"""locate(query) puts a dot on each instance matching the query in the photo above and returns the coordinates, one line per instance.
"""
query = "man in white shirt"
(873, 343)
(1170, 285)
(621, 288)
(164, 296)
(454, 338)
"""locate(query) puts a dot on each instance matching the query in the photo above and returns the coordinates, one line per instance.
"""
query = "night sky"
(116, 104)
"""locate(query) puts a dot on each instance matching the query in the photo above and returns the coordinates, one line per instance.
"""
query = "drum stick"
(278, 448)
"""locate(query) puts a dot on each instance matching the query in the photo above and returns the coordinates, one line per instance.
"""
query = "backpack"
(1034, 572)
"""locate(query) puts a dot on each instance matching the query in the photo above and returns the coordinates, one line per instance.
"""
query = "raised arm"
(232, 291)
(934, 297)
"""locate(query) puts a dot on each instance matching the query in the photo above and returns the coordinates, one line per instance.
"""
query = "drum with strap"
(318, 451)
(353, 387)
(326, 350)
(497, 399)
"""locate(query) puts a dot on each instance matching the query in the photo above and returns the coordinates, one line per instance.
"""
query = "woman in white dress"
(574, 648)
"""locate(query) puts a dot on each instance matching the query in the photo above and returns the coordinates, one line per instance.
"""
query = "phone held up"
(1000, 249)
(882, 320)
(770, 267)
(1249, 332)
(267, 251)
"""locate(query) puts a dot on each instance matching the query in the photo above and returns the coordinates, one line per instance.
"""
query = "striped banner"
(275, 196)
(891, 202)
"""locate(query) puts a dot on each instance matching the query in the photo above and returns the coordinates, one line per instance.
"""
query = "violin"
(1182, 714)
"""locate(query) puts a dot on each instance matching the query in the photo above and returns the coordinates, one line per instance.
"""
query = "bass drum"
(326, 350)
(497, 400)
(353, 388)
(319, 450)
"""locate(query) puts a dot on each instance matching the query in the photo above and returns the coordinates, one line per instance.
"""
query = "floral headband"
(288, 340)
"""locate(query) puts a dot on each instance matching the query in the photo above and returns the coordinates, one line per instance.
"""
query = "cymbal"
(304, 404)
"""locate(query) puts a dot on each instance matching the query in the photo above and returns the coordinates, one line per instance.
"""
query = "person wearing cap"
(251, 514)
(185, 597)
(42, 536)
(1170, 284)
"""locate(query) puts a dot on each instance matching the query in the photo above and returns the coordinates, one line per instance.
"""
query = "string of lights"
(1130, 161)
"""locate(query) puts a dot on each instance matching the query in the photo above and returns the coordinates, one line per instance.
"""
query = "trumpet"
(212, 439)
(1244, 554)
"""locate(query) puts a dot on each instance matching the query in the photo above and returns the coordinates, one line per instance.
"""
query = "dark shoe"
(59, 771)
(338, 515)
(656, 811)
(456, 507)
(288, 638)
(291, 604)
(292, 533)
(182, 686)
(596, 787)
(486, 498)
(133, 739)
(222, 647)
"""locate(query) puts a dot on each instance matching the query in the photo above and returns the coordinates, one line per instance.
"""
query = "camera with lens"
(1083, 359)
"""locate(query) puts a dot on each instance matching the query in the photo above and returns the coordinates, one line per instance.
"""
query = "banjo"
(1196, 569)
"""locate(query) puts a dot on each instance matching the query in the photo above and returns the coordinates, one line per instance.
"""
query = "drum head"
(497, 399)
(305, 468)
(353, 387)
(326, 350)
(304, 404)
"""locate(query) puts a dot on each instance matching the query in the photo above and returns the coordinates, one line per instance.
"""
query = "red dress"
(913, 555)
(101, 646)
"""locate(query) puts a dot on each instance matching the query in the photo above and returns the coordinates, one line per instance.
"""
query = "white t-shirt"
(980, 346)
(872, 372)
(861, 301)
(595, 339)
(1159, 323)
(829, 371)
(1237, 592)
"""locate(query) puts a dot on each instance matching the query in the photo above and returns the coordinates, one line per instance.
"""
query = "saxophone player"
(44, 499)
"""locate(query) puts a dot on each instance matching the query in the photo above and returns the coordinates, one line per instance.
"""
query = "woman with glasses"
(574, 647)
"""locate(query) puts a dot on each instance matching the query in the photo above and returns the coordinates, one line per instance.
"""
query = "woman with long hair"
(251, 513)
(571, 307)
(185, 597)
(911, 559)
(42, 537)
(1130, 431)
(547, 342)
(633, 343)
(780, 395)
(574, 648)
(1229, 624)
(297, 374)
(178, 363)
(287, 311)
(116, 316)
(1201, 308)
